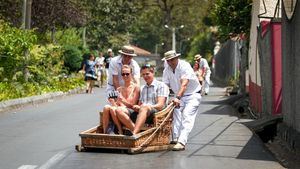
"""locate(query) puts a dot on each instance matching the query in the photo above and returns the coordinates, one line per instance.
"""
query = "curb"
(32, 100)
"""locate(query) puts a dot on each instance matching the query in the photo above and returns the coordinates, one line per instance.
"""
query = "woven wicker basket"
(149, 139)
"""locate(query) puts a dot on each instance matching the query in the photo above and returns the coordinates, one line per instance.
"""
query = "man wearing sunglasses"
(115, 75)
(180, 77)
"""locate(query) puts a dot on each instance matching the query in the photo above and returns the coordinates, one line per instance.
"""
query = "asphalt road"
(31, 136)
(44, 136)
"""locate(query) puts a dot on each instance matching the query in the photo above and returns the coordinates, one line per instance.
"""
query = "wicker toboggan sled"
(154, 138)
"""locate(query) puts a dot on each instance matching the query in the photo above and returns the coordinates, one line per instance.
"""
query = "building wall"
(291, 69)
(254, 79)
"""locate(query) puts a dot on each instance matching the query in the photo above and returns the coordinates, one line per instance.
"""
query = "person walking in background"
(89, 73)
(107, 61)
(198, 72)
(152, 99)
(114, 79)
(100, 69)
(203, 65)
(180, 77)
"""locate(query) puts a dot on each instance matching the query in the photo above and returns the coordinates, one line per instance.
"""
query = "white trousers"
(206, 83)
(184, 117)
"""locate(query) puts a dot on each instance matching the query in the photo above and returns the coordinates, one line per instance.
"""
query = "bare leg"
(91, 86)
(87, 85)
(101, 79)
(125, 120)
(105, 117)
(113, 114)
(141, 118)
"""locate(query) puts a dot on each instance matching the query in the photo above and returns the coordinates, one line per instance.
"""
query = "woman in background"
(90, 73)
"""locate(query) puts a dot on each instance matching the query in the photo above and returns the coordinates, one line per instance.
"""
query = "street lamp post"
(156, 47)
(173, 29)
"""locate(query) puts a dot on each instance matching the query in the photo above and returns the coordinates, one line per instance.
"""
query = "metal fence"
(227, 61)
(264, 46)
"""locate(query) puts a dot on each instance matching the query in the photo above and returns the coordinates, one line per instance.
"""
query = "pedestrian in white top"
(100, 69)
(181, 78)
(115, 75)
(203, 65)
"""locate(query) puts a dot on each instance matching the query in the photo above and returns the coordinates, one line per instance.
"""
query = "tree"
(150, 24)
(107, 19)
(49, 14)
(46, 14)
(11, 11)
(232, 16)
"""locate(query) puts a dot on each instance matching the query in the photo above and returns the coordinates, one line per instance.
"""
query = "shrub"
(72, 58)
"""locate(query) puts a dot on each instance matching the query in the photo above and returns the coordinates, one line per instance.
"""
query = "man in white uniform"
(180, 77)
(114, 74)
(203, 65)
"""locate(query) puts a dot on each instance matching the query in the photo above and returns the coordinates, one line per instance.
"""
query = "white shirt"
(183, 70)
(100, 61)
(115, 68)
(203, 64)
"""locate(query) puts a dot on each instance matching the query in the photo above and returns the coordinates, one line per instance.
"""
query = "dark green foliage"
(109, 19)
(232, 16)
(13, 43)
(202, 44)
(72, 58)
(11, 11)
(44, 64)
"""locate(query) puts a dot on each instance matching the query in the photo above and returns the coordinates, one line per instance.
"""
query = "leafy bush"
(12, 90)
(13, 44)
(45, 64)
(72, 58)
(66, 37)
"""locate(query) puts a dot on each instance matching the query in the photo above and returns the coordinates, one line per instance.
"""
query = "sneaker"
(178, 147)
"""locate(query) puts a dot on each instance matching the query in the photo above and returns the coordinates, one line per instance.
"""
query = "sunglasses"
(125, 74)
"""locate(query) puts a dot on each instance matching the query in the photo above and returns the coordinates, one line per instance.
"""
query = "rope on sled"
(153, 134)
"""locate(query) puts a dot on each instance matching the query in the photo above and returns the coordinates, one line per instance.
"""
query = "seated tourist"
(153, 98)
(121, 100)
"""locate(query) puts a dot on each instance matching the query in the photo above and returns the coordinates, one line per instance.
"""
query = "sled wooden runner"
(154, 138)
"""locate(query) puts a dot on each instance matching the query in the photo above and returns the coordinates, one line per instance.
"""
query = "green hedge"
(13, 90)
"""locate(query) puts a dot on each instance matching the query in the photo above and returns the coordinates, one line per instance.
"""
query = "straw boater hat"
(109, 50)
(170, 55)
(198, 56)
(127, 50)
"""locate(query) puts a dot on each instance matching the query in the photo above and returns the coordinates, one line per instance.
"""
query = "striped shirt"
(149, 94)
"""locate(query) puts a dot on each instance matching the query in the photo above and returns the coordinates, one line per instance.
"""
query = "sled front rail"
(149, 139)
